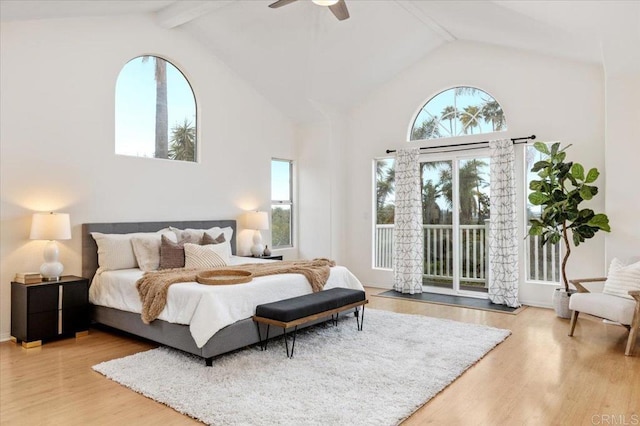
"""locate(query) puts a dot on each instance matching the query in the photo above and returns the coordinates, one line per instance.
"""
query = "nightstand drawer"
(43, 299)
(76, 294)
(42, 325)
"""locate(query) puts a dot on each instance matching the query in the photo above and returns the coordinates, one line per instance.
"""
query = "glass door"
(455, 217)
(437, 223)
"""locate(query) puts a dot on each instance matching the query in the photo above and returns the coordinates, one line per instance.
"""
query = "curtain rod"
(514, 140)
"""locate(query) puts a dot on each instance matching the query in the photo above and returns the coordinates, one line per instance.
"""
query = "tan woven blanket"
(153, 287)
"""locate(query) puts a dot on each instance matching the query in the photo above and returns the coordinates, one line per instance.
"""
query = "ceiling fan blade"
(280, 3)
(340, 10)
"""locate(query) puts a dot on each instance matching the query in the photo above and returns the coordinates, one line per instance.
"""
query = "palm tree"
(162, 113)
(449, 113)
(385, 185)
(183, 142)
(492, 112)
(469, 118)
(427, 130)
(430, 209)
(471, 197)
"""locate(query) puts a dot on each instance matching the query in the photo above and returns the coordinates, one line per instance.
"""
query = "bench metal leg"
(209, 361)
(360, 319)
(286, 343)
(263, 343)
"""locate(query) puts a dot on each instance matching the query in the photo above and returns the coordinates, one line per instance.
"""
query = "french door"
(455, 217)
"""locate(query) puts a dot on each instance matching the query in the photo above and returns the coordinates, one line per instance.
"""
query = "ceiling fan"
(338, 7)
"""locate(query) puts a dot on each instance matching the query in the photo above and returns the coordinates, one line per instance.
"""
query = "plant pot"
(560, 302)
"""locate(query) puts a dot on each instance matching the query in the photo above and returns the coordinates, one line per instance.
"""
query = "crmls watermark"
(615, 419)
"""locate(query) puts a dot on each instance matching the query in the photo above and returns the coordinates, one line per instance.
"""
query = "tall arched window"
(155, 111)
(458, 111)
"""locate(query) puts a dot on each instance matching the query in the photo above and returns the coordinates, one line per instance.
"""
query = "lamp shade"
(50, 226)
(257, 220)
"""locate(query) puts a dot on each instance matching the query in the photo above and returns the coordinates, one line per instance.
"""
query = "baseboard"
(537, 304)
(4, 337)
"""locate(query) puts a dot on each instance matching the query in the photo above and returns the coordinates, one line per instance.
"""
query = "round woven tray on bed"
(224, 276)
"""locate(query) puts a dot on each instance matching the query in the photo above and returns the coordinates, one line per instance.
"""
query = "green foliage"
(281, 223)
(385, 185)
(560, 191)
(183, 142)
(427, 130)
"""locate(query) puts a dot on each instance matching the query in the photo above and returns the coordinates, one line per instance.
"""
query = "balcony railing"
(438, 253)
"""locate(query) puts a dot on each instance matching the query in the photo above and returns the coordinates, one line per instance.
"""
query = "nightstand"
(49, 309)
(272, 257)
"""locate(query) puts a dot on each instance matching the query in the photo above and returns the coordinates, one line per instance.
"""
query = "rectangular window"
(385, 213)
(543, 262)
(281, 203)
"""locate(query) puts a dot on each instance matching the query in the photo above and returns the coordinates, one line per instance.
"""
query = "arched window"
(456, 112)
(155, 111)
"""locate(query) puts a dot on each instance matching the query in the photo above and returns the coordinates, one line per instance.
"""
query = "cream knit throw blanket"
(153, 287)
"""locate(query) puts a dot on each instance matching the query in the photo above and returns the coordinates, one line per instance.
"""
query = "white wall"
(553, 98)
(322, 193)
(57, 138)
(623, 173)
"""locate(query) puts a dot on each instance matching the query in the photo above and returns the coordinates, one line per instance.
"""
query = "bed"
(217, 321)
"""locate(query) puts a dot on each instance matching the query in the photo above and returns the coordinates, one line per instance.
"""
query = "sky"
(136, 106)
(280, 180)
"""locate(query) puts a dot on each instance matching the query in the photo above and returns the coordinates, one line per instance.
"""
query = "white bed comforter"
(206, 309)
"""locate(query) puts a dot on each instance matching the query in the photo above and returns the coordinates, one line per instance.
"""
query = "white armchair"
(625, 311)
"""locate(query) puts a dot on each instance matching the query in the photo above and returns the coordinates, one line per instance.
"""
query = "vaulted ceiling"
(301, 58)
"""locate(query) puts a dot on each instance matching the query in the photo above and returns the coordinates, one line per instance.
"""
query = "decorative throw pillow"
(622, 279)
(172, 253)
(147, 249)
(209, 256)
(208, 239)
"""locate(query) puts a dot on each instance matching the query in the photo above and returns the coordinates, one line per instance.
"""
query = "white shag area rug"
(338, 375)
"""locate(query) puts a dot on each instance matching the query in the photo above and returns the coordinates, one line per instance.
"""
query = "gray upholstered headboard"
(90, 249)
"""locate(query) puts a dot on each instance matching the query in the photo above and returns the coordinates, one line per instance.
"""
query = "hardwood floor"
(538, 376)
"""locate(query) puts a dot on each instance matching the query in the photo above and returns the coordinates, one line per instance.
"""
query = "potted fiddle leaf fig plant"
(561, 190)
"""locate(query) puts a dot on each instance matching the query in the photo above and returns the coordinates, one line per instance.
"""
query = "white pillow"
(209, 256)
(622, 279)
(147, 249)
(115, 250)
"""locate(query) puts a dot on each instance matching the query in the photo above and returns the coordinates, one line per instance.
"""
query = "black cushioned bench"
(310, 307)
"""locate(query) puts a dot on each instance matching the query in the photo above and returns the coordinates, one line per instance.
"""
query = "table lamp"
(257, 221)
(51, 226)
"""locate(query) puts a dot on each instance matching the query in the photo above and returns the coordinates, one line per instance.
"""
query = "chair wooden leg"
(574, 320)
(633, 333)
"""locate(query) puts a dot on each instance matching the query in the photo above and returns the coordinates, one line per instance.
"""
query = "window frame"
(417, 113)
(374, 216)
(289, 203)
(189, 125)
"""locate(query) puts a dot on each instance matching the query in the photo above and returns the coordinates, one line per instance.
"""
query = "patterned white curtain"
(503, 239)
(408, 240)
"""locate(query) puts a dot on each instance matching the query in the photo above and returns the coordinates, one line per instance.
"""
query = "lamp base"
(257, 250)
(51, 278)
(51, 269)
